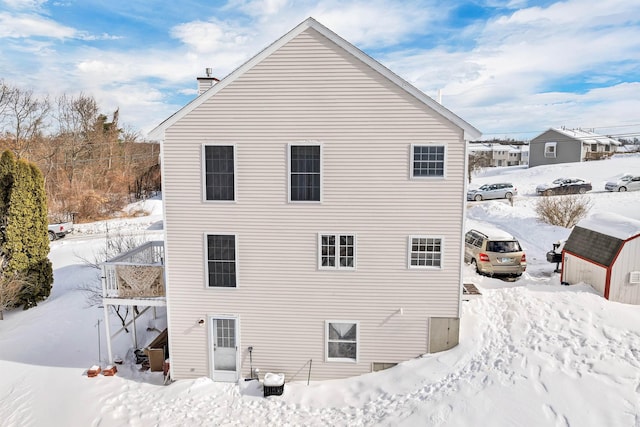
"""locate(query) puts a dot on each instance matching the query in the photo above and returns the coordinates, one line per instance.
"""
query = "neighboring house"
(558, 145)
(500, 154)
(603, 251)
(314, 209)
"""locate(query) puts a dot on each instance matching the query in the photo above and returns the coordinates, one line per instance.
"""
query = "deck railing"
(138, 273)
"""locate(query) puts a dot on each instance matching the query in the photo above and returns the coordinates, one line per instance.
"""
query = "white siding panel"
(311, 91)
(621, 290)
(576, 270)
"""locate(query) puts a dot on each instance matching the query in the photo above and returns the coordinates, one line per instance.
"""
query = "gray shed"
(604, 252)
(558, 145)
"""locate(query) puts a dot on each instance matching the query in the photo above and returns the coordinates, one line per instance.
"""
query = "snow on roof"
(612, 224)
(587, 137)
(490, 231)
(495, 147)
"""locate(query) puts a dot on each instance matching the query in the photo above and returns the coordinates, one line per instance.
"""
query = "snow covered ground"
(531, 353)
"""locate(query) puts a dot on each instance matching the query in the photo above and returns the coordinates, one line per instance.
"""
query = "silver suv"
(502, 190)
(494, 255)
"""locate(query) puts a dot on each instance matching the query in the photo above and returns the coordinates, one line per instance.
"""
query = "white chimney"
(205, 83)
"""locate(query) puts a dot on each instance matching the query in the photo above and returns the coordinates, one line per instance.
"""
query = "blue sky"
(510, 68)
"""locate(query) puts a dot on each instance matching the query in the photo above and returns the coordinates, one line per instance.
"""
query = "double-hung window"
(342, 340)
(337, 251)
(427, 161)
(550, 149)
(425, 252)
(219, 172)
(221, 260)
(304, 173)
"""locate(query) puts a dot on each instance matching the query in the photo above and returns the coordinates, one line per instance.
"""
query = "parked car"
(503, 190)
(564, 186)
(494, 254)
(628, 182)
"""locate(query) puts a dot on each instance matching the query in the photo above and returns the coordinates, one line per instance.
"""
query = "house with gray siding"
(314, 207)
(560, 145)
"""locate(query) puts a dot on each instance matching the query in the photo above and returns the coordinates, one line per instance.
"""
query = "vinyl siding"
(621, 290)
(568, 149)
(312, 91)
(576, 270)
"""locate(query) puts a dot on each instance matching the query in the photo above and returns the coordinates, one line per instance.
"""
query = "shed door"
(224, 349)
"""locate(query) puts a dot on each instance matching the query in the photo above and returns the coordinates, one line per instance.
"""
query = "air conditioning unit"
(634, 277)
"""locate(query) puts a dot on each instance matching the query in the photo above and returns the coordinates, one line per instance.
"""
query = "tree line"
(60, 158)
(91, 165)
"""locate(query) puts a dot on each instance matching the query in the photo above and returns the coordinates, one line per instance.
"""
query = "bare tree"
(564, 211)
(76, 118)
(24, 117)
(477, 160)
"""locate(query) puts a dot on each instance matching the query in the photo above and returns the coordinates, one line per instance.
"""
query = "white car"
(503, 190)
(628, 182)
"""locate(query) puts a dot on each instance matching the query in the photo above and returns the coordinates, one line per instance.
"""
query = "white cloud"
(23, 26)
(375, 24)
(210, 36)
(261, 8)
(24, 4)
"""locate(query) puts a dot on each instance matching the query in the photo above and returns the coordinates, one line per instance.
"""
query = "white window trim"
(326, 342)
(203, 172)
(425, 267)
(547, 153)
(206, 261)
(312, 143)
(411, 161)
(337, 266)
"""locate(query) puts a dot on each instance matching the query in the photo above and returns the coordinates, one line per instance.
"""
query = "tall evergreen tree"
(23, 237)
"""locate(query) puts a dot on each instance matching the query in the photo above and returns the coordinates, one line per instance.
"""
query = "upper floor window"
(337, 251)
(219, 172)
(304, 173)
(550, 149)
(221, 260)
(428, 161)
(425, 252)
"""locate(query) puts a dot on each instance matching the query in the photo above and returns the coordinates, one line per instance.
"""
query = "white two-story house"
(314, 208)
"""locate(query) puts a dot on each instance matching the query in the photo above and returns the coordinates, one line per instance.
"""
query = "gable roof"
(587, 137)
(592, 245)
(469, 131)
(600, 237)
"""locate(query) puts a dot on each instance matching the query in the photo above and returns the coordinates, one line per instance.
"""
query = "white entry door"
(224, 351)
